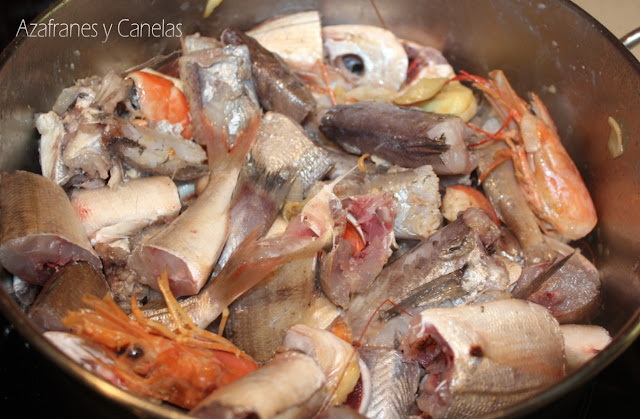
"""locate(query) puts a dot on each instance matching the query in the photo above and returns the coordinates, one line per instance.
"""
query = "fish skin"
(417, 200)
(64, 291)
(455, 247)
(296, 37)
(572, 294)
(305, 235)
(506, 197)
(383, 57)
(259, 319)
(415, 192)
(278, 88)
(218, 81)
(282, 159)
(408, 137)
(51, 130)
(337, 358)
(39, 227)
(498, 354)
(270, 391)
(191, 244)
(394, 383)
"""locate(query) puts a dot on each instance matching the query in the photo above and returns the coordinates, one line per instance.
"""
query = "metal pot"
(581, 71)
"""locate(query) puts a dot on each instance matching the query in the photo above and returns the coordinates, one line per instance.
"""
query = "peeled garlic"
(453, 99)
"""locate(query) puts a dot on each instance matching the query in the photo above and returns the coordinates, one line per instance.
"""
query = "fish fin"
(219, 155)
(543, 277)
(245, 139)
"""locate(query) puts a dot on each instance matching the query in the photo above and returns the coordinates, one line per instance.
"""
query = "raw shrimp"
(547, 174)
(181, 366)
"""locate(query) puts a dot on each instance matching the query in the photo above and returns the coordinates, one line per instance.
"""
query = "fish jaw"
(474, 353)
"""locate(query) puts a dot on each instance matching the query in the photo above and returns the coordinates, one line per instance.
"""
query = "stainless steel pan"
(582, 72)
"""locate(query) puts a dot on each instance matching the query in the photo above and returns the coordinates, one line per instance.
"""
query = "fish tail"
(218, 152)
(245, 140)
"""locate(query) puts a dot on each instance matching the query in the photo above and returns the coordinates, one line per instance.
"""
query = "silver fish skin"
(39, 228)
(218, 82)
(288, 386)
(407, 137)
(394, 383)
(415, 192)
(453, 258)
(417, 200)
(259, 319)
(484, 357)
(283, 159)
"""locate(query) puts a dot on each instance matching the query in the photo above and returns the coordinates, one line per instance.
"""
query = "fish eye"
(354, 64)
(134, 352)
(134, 97)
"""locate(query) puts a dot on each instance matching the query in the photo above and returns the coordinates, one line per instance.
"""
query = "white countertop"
(619, 16)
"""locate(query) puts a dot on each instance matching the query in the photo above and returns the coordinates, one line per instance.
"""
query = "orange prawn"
(180, 366)
(546, 173)
(160, 99)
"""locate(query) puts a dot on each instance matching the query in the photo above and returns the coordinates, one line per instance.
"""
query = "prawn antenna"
(375, 8)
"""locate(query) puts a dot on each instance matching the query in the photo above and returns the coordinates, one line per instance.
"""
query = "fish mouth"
(434, 354)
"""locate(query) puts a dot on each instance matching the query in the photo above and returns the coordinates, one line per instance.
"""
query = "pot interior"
(581, 72)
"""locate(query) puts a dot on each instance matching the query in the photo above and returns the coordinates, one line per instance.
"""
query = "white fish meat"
(112, 213)
(270, 392)
(582, 342)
